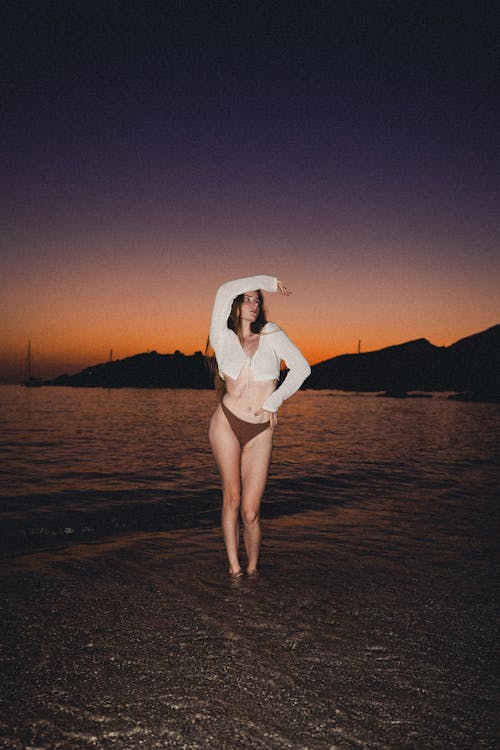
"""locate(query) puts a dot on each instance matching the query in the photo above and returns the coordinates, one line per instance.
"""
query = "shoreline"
(144, 640)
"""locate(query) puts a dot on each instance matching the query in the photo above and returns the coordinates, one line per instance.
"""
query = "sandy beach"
(145, 642)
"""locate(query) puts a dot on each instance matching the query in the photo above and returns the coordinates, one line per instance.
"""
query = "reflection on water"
(65, 439)
(365, 445)
(117, 459)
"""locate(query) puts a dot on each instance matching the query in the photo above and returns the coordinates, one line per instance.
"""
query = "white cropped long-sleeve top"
(274, 344)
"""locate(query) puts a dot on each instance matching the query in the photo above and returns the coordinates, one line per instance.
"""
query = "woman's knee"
(250, 517)
(232, 497)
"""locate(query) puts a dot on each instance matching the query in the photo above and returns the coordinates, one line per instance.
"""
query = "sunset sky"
(152, 151)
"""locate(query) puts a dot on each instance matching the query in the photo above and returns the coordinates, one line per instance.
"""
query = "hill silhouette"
(147, 370)
(470, 366)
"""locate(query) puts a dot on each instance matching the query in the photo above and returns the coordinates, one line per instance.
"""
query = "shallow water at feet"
(372, 620)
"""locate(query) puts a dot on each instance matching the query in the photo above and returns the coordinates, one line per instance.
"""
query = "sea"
(85, 464)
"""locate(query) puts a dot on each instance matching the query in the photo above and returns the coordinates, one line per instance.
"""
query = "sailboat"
(29, 380)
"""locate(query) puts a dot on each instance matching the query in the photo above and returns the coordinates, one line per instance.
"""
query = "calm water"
(81, 462)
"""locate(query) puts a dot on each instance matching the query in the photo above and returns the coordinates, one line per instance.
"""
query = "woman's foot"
(236, 573)
(252, 572)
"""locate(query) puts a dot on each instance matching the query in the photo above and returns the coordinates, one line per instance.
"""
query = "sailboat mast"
(27, 366)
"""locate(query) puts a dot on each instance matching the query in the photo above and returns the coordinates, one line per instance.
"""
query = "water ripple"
(91, 458)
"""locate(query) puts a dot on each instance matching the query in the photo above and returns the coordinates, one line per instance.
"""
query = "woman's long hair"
(234, 324)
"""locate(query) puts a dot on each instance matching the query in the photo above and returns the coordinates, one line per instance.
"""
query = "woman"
(248, 351)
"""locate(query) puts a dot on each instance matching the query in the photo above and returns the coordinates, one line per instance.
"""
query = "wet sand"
(359, 632)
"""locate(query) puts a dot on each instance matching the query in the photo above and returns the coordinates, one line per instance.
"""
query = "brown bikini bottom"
(244, 431)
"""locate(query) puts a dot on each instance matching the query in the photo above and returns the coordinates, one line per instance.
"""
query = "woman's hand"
(283, 289)
(273, 417)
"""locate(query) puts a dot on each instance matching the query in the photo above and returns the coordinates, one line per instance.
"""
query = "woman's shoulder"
(270, 327)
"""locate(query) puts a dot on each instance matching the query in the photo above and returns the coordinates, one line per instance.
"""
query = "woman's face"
(249, 308)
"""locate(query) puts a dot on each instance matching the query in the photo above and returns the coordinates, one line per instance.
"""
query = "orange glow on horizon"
(75, 312)
(71, 354)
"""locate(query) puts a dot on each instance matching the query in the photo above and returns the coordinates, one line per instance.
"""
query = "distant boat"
(29, 380)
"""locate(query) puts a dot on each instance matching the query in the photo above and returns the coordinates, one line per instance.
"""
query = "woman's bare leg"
(255, 459)
(227, 454)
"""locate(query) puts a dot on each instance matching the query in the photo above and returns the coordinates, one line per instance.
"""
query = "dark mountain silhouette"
(473, 363)
(148, 370)
(408, 366)
(471, 366)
